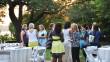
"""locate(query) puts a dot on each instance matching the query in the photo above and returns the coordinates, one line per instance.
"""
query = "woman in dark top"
(24, 37)
(51, 28)
(56, 37)
(97, 34)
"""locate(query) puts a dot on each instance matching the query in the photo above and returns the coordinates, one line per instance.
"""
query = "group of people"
(32, 37)
(65, 42)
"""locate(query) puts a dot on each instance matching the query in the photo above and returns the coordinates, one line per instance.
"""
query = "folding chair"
(92, 54)
(39, 54)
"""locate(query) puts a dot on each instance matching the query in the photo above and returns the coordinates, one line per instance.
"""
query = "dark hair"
(96, 28)
(88, 26)
(79, 27)
(58, 28)
(67, 25)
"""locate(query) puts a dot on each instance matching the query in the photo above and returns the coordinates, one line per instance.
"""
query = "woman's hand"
(21, 44)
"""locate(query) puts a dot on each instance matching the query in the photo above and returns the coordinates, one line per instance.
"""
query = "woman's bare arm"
(21, 36)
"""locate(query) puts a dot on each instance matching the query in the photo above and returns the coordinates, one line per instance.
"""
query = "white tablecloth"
(104, 54)
(16, 54)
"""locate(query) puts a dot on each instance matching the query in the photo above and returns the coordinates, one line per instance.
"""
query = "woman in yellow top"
(32, 35)
(57, 48)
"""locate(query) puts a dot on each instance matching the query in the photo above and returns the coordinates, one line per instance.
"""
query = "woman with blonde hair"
(42, 35)
(32, 35)
(75, 39)
(23, 35)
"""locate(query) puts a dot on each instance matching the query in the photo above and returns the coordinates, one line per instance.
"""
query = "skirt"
(57, 47)
(33, 44)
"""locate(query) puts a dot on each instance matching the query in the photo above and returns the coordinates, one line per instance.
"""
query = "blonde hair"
(24, 25)
(42, 26)
(94, 23)
(31, 26)
(74, 26)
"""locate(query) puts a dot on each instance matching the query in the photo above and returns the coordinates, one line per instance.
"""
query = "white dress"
(67, 45)
(32, 36)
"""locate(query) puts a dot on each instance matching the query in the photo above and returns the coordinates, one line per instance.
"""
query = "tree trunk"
(15, 21)
(20, 11)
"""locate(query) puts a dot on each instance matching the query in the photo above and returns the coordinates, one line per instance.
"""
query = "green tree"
(38, 9)
(12, 29)
(43, 11)
(16, 21)
(83, 12)
(103, 13)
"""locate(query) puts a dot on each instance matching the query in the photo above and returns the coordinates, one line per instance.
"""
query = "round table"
(16, 54)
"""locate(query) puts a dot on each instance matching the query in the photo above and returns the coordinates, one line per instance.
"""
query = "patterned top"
(75, 39)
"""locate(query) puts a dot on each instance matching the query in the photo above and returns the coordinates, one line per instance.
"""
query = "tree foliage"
(103, 12)
(80, 11)
(83, 12)
(12, 29)
(3, 3)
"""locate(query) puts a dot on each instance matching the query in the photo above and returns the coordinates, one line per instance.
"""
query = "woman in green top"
(57, 48)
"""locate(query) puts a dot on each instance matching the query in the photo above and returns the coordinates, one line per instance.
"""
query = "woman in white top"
(42, 35)
(32, 35)
(67, 44)
(94, 24)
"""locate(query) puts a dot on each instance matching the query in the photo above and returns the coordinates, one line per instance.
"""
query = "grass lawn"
(48, 56)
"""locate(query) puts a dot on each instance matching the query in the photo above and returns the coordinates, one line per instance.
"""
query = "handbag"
(83, 44)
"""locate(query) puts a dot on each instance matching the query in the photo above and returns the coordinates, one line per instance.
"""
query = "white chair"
(92, 54)
(39, 54)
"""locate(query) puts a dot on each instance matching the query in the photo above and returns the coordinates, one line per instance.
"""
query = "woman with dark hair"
(67, 44)
(83, 38)
(96, 34)
(49, 42)
(56, 37)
